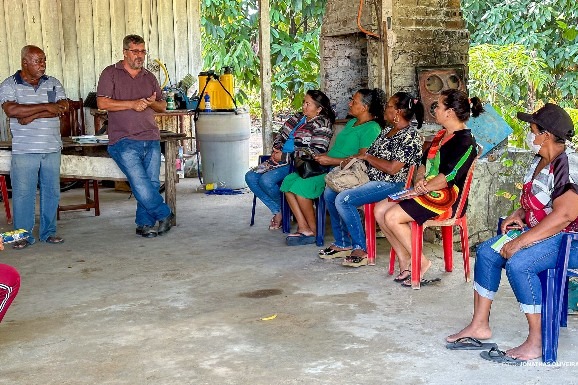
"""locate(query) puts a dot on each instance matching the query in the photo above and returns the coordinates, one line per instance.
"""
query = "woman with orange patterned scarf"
(438, 183)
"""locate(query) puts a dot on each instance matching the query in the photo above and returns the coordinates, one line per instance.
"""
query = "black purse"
(308, 167)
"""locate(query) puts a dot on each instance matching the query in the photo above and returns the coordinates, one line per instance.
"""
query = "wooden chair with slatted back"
(72, 124)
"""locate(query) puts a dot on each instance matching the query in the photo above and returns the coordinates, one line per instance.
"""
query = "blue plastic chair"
(554, 297)
(262, 158)
(320, 215)
(286, 211)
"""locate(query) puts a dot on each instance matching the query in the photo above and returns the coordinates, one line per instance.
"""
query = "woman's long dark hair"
(375, 101)
(323, 101)
(410, 106)
(462, 105)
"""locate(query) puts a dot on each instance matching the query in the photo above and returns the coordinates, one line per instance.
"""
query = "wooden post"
(265, 58)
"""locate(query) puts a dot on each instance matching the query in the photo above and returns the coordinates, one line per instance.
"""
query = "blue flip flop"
(500, 357)
(300, 240)
(470, 343)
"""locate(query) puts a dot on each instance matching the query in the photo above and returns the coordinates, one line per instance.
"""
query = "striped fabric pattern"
(42, 135)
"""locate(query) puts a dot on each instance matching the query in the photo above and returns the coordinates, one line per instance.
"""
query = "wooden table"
(91, 161)
(101, 115)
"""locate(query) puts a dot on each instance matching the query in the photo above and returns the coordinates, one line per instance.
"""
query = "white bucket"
(224, 145)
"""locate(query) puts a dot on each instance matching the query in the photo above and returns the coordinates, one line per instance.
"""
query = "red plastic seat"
(370, 238)
(4, 191)
(459, 219)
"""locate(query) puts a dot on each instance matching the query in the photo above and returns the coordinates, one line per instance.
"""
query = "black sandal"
(19, 245)
(399, 278)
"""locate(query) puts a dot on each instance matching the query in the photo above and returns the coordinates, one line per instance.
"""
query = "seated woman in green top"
(367, 108)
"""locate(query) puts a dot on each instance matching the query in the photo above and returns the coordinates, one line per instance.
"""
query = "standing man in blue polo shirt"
(132, 95)
(34, 102)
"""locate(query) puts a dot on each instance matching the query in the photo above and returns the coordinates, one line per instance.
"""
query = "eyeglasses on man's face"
(137, 51)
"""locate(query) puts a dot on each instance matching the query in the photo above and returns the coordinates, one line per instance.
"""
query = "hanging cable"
(368, 33)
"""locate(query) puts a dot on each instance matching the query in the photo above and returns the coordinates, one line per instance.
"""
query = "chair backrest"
(72, 123)
(464, 198)
(410, 176)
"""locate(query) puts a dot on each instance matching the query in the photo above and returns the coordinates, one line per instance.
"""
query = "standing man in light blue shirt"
(34, 103)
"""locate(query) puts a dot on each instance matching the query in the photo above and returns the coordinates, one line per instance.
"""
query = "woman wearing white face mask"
(549, 207)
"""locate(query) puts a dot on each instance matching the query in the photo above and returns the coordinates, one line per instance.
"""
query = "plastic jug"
(207, 77)
(227, 80)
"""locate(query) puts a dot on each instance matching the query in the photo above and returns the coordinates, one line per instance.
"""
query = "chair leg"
(286, 210)
(96, 201)
(547, 316)
(391, 261)
(463, 225)
(370, 238)
(5, 198)
(564, 307)
(87, 193)
(416, 251)
(253, 210)
(448, 245)
(320, 218)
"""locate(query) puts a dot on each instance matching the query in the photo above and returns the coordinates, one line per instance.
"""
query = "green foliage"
(230, 38)
(573, 112)
(547, 28)
(507, 76)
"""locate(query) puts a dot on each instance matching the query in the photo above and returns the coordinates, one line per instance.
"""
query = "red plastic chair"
(459, 219)
(370, 238)
(4, 191)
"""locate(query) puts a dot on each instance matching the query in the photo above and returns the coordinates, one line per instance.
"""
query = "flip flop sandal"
(19, 245)
(353, 261)
(274, 225)
(470, 343)
(400, 279)
(500, 357)
(54, 240)
(330, 253)
(300, 239)
(423, 282)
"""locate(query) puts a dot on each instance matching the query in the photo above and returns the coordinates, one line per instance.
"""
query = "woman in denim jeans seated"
(388, 159)
(310, 128)
(549, 206)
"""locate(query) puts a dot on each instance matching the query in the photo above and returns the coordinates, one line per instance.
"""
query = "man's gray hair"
(25, 51)
(134, 39)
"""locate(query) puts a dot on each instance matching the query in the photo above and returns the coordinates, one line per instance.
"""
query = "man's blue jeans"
(345, 221)
(266, 186)
(522, 270)
(27, 172)
(140, 161)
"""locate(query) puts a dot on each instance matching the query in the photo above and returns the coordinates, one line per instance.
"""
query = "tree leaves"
(547, 28)
(230, 37)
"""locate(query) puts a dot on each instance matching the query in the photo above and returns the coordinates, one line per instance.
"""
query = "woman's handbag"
(352, 175)
(308, 167)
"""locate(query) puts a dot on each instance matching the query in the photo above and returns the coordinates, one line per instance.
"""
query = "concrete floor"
(107, 307)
